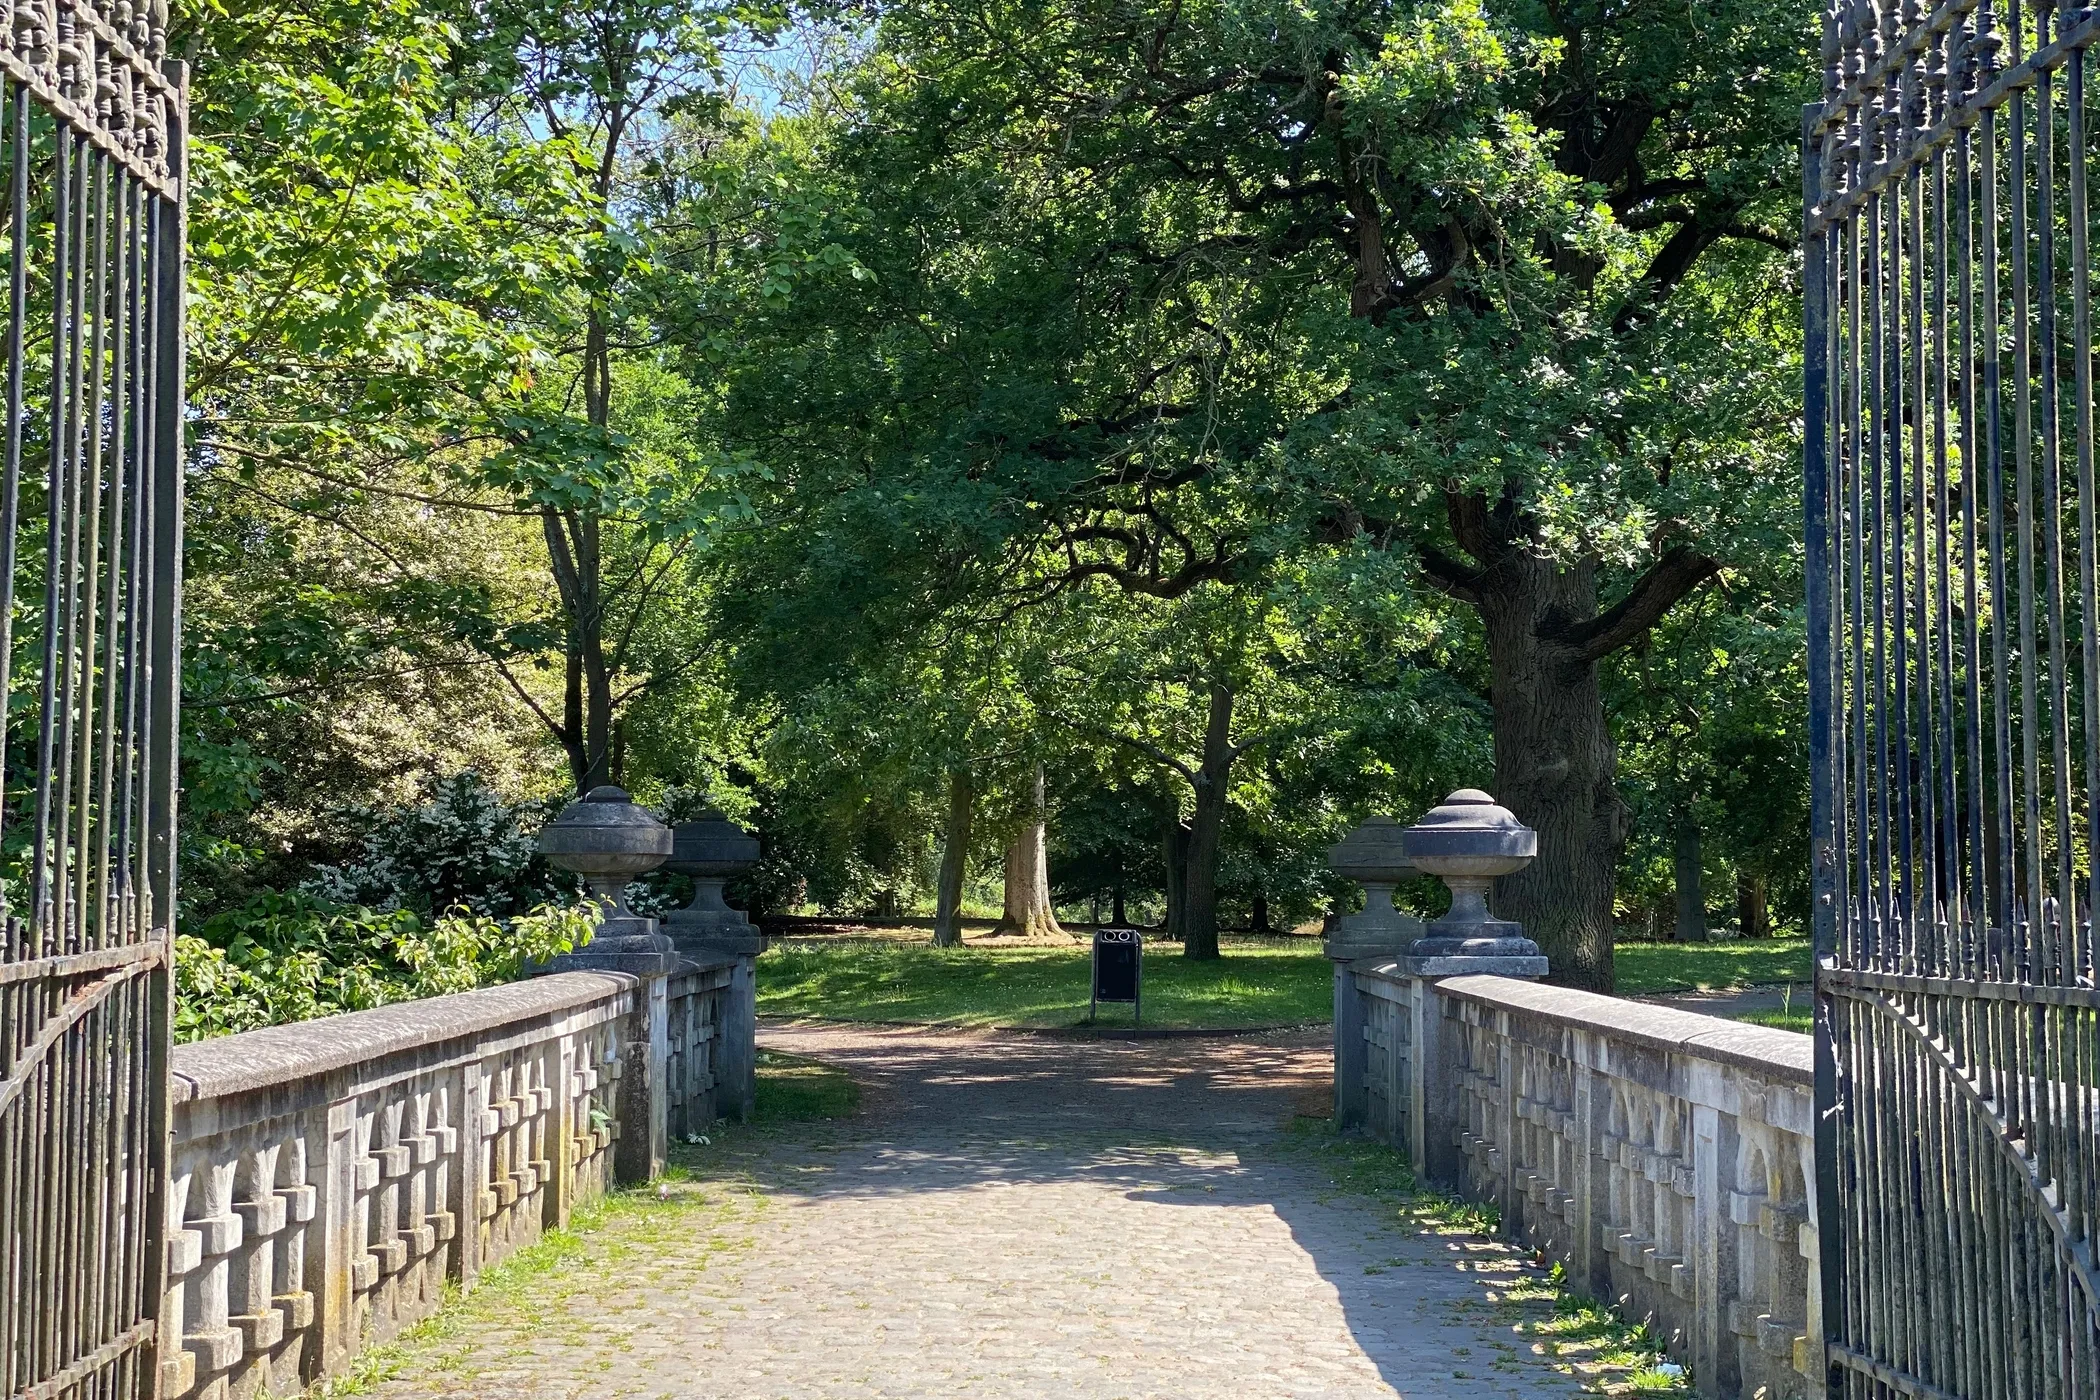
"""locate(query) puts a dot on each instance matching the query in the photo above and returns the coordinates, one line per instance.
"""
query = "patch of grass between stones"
(793, 1089)
(1580, 1336)
(527, 1298)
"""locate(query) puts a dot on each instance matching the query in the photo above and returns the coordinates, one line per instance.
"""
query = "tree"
(386, 264)
(1714, 707)
(1155, 297)
(599, 81)
(1107, 841)
(1208, 687)
(955, 857)
(357, 311)
(1028, 911)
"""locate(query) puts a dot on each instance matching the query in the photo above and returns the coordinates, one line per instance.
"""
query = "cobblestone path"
(1019, 1217)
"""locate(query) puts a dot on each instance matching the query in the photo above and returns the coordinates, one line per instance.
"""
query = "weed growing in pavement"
(1580, 1336)
(690, 1216)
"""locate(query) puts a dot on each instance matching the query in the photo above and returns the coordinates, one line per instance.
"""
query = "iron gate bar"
(71, 1012)
(1845, 979)
(75, 964)
(1955, 697)
(2078, 1252)
(90, 525)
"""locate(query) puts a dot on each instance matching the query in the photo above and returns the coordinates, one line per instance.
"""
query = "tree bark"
(1687, 867)
(1555, 766)
(1753, 915)
(1199, 933)
(1174, 850)
(587, 703)
(574, 555)
(1027, 903)
(955, 855)
(1261, 912)
(1115, 915)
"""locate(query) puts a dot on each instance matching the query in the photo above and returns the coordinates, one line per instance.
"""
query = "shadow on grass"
(1266, 983)
(1646, 969)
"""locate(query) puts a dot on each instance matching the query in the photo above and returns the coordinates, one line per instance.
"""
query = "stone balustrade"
(329, 1177)
(1665, 1159)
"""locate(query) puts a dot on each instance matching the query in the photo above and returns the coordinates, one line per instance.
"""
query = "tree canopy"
(1248, 417)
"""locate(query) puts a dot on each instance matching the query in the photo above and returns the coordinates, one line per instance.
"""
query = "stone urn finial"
(1467, 842)
(711, 849)
(1372, 856)
(608, 840)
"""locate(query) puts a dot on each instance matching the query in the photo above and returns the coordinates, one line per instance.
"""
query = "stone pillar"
(642, 1102)
(1466, 841)
(1369, 855)
(341, 1245)
(711, 849)
(608, 840)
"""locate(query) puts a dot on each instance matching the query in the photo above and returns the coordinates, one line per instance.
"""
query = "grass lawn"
(1801, 1018)
(1648, 968)
(1259, 982)
(793, 1089)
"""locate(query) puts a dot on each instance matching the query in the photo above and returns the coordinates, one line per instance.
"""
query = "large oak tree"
(1159, 296)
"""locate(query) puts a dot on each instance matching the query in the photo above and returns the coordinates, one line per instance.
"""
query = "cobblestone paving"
(1019, 1217)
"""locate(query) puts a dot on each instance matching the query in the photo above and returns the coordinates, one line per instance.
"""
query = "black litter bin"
(1119, 969)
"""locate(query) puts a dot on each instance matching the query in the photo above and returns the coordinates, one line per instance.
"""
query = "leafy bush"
(292, 957)
(463, 847)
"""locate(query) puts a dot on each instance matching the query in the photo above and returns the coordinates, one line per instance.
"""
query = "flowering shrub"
(292, 957)
(463, 847)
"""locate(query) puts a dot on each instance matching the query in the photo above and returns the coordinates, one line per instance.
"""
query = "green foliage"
(463, 848)
(577, 385)
(283, 958)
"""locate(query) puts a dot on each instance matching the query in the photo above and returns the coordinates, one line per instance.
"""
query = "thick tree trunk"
(1174, 851)
(1199, 932)
(1115, 915)
(955, 855)
(1028, 911)
(1687, 867)
(1555, 766)
(1261, 913)
(1753, 916)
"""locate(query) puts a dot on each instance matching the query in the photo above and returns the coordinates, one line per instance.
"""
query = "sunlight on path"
(1019, 1217)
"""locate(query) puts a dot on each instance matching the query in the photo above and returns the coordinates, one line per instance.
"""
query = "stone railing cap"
(700, 960)
(1373, 850)
(277, 1054)
(1786, 1055)
(1468, 823)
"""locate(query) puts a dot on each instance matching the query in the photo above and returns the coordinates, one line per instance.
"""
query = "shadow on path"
(1045, 1166)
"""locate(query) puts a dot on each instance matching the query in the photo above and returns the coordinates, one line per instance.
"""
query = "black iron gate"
(1955, 692)
(91, 140)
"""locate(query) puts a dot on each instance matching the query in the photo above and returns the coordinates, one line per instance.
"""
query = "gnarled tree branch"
(1667, 582)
